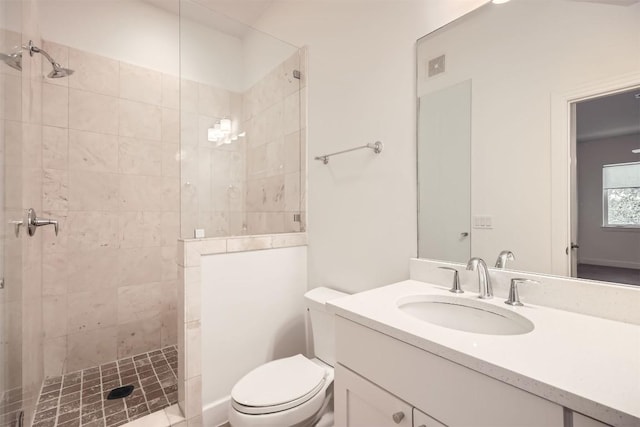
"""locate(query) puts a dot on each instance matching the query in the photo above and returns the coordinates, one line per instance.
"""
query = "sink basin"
(465, 314)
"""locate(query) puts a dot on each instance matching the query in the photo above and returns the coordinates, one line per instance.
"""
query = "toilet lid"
(282, 383)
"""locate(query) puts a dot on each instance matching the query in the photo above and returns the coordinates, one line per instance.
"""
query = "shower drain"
(120, 392)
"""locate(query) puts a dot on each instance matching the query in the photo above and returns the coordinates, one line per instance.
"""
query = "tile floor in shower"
(80, 398)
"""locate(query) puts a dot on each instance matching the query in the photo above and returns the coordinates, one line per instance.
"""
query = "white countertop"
(588, 364)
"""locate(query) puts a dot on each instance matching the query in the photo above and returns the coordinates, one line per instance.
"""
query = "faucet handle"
(514, 298)
(33, 222)
(455, 288)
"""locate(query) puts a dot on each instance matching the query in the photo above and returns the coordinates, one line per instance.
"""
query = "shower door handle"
(33, 222)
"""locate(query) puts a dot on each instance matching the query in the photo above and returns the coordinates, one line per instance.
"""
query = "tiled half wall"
(190, 307)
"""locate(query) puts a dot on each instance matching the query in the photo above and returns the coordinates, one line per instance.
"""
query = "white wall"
(261, 54)
(208, 56)
(615, 247)
(253, 312)
(130, 31)
(141, 34)
(362, 207)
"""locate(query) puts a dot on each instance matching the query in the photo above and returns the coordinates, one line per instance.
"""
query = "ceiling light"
(499, 1)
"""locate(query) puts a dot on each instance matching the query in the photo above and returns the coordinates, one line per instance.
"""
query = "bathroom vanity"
(397, 369)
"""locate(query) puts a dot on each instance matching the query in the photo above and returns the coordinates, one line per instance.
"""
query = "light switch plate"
(483, 222)
(198, 233)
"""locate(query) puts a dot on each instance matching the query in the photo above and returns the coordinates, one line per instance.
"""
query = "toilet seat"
(278, 385)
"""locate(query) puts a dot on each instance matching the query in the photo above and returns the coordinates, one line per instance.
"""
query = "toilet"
(293, 391)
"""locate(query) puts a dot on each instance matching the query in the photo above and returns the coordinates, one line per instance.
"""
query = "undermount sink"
(465, 314)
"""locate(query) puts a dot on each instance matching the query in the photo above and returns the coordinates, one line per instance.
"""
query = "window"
(621, 195)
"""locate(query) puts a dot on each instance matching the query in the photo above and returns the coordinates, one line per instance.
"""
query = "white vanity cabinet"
(378, 376)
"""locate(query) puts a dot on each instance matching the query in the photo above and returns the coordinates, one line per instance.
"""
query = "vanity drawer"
(450, 393)
(359, 403)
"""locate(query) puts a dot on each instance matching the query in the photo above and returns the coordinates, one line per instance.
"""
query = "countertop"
(587, 364)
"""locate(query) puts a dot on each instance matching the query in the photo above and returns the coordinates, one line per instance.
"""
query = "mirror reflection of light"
(222, 132)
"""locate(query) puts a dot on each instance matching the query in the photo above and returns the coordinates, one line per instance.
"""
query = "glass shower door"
(10, 212)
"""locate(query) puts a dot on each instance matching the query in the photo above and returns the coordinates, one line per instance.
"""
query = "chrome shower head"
(59, 72)
(13, 60)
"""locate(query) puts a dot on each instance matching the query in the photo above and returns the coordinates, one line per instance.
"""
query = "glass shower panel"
(241, 128)
(10, 210)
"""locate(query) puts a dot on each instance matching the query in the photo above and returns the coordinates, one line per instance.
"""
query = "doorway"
(605, 188)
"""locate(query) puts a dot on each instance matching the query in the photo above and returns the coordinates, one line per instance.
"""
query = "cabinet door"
(420, 419)
(360, 403)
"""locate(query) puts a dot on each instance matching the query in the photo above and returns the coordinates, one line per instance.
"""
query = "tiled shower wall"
(254, 185)
(110, 174)
(274, 113)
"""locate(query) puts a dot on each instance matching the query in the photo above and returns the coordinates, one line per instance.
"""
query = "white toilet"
(294, 391)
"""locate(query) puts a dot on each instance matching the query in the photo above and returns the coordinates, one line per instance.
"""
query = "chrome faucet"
(504, 256)
(484, 281)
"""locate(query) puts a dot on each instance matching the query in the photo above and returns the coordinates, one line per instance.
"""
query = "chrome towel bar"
(376, 147)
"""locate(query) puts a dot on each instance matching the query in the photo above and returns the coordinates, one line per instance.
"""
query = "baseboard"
(610, 263)
(215, 414)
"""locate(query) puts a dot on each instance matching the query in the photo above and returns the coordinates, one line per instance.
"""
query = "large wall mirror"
(529, 138)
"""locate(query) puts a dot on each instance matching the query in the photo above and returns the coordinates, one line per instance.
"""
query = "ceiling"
(609, 116)
(245, 11)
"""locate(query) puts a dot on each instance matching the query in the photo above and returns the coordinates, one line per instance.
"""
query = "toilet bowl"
(285, 392)
(294, 391)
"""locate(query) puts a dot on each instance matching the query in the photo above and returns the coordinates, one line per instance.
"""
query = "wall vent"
(436, 66)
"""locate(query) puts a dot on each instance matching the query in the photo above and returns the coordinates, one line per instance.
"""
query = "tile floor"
(10, 407)
(80, 398)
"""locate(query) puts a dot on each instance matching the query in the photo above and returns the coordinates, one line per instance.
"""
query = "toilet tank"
(322, 323)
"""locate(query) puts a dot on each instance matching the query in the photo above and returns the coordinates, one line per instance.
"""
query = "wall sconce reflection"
(222, 133)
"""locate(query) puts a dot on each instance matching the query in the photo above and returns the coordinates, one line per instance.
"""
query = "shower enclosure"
(182, 122)
(11, 287)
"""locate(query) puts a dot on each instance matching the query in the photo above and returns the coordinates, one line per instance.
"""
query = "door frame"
(562, 138)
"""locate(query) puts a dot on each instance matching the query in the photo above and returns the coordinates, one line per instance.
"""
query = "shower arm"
(35, 49)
